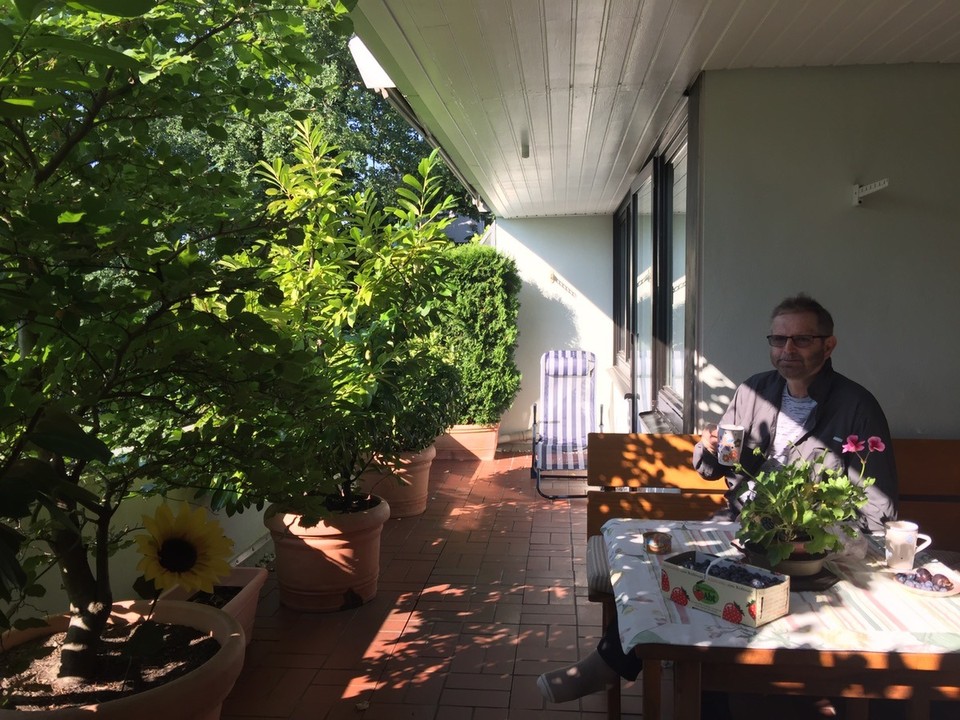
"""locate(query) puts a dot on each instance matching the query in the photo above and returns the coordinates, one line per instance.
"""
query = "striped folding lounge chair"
(566, 415)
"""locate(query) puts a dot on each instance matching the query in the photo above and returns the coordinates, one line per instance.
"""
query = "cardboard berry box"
(735, 601)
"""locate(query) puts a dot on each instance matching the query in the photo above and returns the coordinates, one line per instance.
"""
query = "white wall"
(566, 300)
(781, 152)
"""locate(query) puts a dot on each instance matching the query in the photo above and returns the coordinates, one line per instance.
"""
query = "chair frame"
(539, 439)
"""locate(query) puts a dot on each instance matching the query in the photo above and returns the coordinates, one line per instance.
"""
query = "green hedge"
(480, 333)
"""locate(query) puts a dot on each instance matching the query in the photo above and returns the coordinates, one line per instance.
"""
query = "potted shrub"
(356, 298)
(798, 513)
(416, 411)
(131, 364)
(480, 336)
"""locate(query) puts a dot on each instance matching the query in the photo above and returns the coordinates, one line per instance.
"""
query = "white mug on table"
(900, 542)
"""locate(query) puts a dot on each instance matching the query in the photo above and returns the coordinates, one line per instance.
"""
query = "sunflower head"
(188, 549)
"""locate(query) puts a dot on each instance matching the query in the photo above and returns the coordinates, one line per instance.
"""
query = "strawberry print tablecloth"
(867, 610)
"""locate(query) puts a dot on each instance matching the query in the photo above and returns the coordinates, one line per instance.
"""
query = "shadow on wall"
(716, 392)
(547, 323)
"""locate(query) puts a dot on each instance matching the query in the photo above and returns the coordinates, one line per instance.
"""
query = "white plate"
(934, 568)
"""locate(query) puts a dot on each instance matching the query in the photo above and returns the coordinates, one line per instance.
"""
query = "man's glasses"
(800, 341)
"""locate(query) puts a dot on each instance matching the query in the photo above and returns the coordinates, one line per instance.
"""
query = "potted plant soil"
(480, 334)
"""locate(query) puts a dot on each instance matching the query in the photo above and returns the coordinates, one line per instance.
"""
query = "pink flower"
(855, 444)
(875, 444)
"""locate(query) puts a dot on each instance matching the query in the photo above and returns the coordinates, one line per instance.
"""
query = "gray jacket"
(843, 408)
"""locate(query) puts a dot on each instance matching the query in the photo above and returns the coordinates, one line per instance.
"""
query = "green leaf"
(217, 132)
(19, 489)
(30, 8)
(24, 107)
(70, 217)
(342, 26)
(81, 51)
(31, 622)
(49, 80)
(11, 572)
(271, 295)
(61, 434)
(236, 306)
(146, 640)
(6, 40)
(145, 588)
(35, 590)
(119, 8)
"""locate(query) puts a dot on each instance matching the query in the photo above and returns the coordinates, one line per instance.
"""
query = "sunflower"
(189, 549)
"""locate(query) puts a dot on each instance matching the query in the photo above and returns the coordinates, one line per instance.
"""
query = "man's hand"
(708, 438)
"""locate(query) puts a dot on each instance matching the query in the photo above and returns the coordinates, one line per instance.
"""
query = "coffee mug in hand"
(729, 444)
(900, 542)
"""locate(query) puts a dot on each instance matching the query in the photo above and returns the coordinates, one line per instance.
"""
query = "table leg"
(652, 683)
(918, 707)
(857, 709)
(686, 690)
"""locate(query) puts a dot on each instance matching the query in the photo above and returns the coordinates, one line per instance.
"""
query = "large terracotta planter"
(405, 485)
(198, 695)
(243, 605)
(332, 566)
(468, 442)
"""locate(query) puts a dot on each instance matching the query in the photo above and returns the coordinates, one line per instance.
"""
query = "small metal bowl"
(657, 542)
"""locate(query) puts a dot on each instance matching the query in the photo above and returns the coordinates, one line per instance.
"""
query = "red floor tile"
(477, 597)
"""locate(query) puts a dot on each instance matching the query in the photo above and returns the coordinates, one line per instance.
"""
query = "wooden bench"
(647, 464)
(928, 472)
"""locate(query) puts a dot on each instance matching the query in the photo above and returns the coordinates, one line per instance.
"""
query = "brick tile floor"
(476, 598)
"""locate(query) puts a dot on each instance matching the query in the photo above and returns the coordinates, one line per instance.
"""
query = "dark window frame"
(669, 407)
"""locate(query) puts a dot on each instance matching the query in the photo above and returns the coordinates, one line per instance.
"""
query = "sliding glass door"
(650, 288)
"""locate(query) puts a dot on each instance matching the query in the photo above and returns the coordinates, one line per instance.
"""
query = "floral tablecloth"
(866, 611)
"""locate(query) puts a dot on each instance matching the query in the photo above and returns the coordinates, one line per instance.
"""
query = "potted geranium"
(803, 510)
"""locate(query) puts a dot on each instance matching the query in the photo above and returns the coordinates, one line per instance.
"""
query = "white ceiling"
(588, 85)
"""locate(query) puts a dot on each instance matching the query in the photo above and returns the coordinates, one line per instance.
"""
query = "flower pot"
(405, 486)
(801, 564)
(198, 695)
(243, 605)
(332, 566)
(468, 442)
(798, 564)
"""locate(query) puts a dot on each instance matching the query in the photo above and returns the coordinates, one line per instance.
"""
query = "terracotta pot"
(243, 605)
(332, 566)
(468, 442)
(198, 695)
(405, 486)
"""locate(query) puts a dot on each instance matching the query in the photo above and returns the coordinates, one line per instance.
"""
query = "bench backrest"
(928, 471)
(657, 467)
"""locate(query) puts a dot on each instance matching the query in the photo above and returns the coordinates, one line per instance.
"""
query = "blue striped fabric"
(568, 397)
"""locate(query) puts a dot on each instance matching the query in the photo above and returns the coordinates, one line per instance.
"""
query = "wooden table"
(865, 637)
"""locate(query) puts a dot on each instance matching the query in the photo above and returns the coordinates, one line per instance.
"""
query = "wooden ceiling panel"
(587, 85)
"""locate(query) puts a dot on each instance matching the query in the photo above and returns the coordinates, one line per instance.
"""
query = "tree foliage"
(161, 326)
